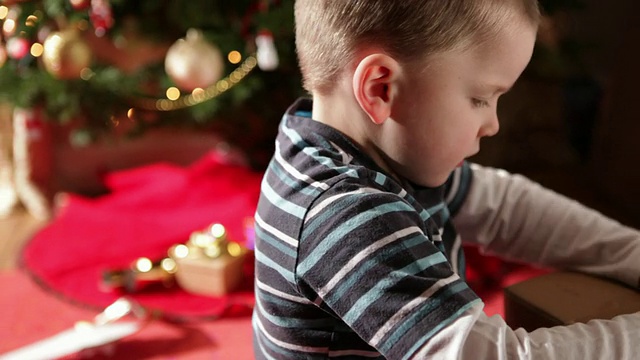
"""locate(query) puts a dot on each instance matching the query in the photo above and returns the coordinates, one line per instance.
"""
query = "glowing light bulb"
(37, 49)
(173, 93)
(144, 265)
(234, 57)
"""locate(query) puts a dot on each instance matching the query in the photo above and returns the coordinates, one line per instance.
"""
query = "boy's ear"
(375, 85)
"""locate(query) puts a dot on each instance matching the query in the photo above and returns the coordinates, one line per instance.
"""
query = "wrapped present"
(207, 264)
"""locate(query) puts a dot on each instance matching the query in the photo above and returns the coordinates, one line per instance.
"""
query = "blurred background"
(93, 86)
(570, 122)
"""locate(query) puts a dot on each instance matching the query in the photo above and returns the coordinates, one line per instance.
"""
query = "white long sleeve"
(475, 336)
(515, 218)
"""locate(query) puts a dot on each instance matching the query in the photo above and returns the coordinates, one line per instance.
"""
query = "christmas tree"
(227, 66)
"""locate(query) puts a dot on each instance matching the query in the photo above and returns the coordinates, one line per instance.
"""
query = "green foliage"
(230, 25)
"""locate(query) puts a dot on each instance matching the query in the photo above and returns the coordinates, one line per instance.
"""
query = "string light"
(37, 49)
(169, 265)
(9, 26)
(197, 96)
(173, 93)
(180, 251)
(234, 57)
(234, 249)
(144, 265)
(217, 230)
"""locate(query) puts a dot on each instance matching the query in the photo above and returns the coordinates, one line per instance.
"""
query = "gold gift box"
(209, 264)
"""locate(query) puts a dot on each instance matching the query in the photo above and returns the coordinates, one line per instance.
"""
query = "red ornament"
(17, 48)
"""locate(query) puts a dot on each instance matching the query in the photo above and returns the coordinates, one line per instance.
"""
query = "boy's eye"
(480, 103)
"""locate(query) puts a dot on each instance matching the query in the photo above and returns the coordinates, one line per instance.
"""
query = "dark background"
(572, 122)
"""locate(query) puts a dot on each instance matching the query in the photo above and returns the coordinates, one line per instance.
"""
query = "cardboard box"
(564, 298)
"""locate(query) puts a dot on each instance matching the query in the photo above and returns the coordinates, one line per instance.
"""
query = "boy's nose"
(491, 127)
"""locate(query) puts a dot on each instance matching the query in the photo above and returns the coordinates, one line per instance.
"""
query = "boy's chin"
(433, 182)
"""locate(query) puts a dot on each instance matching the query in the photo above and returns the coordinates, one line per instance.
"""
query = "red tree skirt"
(148, 210)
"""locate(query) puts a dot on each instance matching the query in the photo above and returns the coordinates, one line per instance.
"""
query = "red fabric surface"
(30, 314)
(489, 275)
(148, 210)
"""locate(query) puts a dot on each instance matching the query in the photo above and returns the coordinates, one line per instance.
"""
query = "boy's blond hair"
(329, 32)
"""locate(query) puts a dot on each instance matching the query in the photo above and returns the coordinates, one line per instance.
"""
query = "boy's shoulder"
(313, 160)
(308, 148)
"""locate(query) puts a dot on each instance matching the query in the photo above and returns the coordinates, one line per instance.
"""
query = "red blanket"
(29, 314)
(148, 210)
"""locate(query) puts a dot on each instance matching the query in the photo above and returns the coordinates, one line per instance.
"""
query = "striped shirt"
(350, 263)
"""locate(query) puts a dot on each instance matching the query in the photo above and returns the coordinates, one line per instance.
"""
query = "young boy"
(368, 196)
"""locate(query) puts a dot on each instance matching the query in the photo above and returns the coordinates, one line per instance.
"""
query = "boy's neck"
(341, 111)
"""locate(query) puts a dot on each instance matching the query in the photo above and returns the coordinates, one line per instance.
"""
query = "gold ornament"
(193, 62)
(66, 54)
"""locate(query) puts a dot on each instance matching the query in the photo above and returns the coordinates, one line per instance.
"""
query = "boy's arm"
(480, 337)
(364, 259)
(515, 218)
